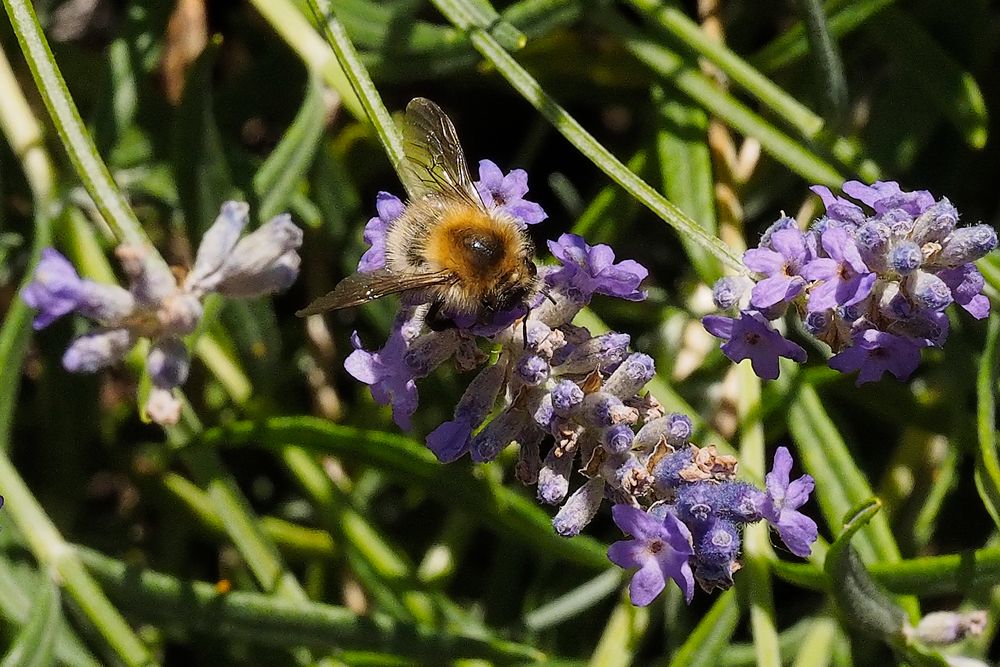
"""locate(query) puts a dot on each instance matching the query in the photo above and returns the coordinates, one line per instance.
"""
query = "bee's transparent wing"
(360, 288)
(434, 162)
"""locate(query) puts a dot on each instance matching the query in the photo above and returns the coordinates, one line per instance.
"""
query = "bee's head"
(512, 289)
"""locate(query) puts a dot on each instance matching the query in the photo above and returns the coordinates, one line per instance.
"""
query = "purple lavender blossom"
(876, 352)
(838, 208)
(386, 373)
(966, 284)
(781, 263)
(892, 268)
(58, 290)
(846, 279)
(782, 501)
(751, 337)
(589, 270)
(158, 308)
(507, 193)
(389, 208)
(659, 548)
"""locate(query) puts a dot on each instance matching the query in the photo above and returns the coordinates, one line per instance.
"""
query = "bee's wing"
(360, 288)
(433, 161)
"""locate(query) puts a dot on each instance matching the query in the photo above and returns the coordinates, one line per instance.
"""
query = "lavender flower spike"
(389, 207)
(659, 548)
(782, 502)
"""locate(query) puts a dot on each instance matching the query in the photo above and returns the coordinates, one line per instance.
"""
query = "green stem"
(827, 55)
(457, 10)
(758, 591)
(24, 135)
(198, 606)
(53, 552)
(360, 80)
(81, 149)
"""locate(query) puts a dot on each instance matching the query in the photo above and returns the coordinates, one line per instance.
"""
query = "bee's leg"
(435, 320)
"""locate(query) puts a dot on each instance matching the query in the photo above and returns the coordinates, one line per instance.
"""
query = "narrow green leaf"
(198, 607)
(575, 602)
(592, 149)
(291, 159)
(839, 482)
(622, 636)
(987, 457)
(826, 55)
(34, 645)
(501, 508)
(862, 602)
(709, 640)
(686, 77)
(686, 173)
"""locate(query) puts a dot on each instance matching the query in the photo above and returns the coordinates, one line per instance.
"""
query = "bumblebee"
(447, 248)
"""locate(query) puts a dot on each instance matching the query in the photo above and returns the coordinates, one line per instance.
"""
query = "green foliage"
(285, 519)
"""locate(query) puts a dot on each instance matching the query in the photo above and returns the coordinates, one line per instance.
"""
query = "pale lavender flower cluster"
(873, 283)
(157, 305)
(573, 404)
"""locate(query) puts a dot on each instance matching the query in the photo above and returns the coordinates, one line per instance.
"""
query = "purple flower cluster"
(159, 307)
(873, 283)
(572, 402)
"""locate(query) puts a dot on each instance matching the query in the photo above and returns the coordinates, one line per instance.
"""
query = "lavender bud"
(719, 544)
(532, 370)
(503, 430)
(784, 222)
(900, 222)
(739, 501)
(627, 474)
(631, 376)
(935, 223)
(565, 396)
(430, 350)
(941, 628)
(697, 502)
(617, 439)
(95, 350)
(603, 352)
(217, 246)
(905, 257)
(168, 363)
(667, 473)
(553, 478)
(163, 407)
(179, 314)
(929, 292)
(675, 429)
(967, 244)
(817, 322)
(107, 304)
(481, 394)
(603, 409)
(872, 239)
(264, 261)
(727, 291)
(544, 412)
(149, 276)
(580, 509)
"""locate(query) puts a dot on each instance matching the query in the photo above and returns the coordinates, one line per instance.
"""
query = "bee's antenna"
(524, 328)
(545, 292)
